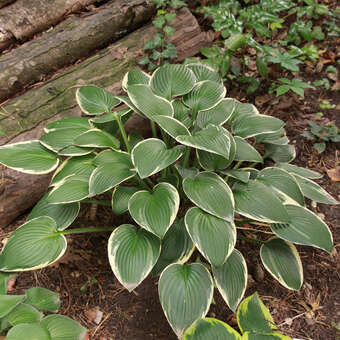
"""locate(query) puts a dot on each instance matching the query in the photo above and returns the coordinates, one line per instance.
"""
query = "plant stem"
(153, 128)
(108, 204)
(237, 165)
(85, 230)
(143, 184)
(250, 239)
(123, 133)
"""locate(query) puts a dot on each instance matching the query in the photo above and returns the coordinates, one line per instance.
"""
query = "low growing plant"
(191, 186)
(296, 85)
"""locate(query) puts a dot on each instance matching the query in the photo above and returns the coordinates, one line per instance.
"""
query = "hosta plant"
(212, 165)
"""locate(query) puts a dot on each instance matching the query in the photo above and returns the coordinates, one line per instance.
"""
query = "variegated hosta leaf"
(278, 138)
(296, 170)
(9, 302)
(61, 327)
(22, 313)
(62, 214)
(280, 153)
(75, 151)
(181, 113)
(155, 211)
(151, 156)
(113, 168)
(186, 172)
(172, 80)
(314, 192)
(176, 247)
(36, 244)
(304, 228)
(215, 238)
(251, 125)
(244, 110)
(240, 175)
(283, 182)
(282, 261)
(135, 77)
(205, 95)
(172, 126)
(28, 331)
(93, 100)
(267, 209)
(217, 115)
(253, 316)
(68, 123)
(98, 139)
(185, 292)
(43, 299)
(204, 72)
(120, 199)
(213, 139)
(231, 279)
(266, 336)
(210, 329)
(132, 254)
(246, 152)
(28, 157)
(210, 192)
(148, 103)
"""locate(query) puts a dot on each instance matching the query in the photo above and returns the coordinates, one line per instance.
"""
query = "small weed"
(295, 85)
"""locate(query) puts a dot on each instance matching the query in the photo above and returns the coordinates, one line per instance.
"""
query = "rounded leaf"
(9, 302)
(296, 170)
(246, 152)
(135, 77)
(98, 139)
(29, 331)
(68, 123)
(23, 313)
(204, 72)
(172, 126)
(43, 299)
(266, 336)
(120, 199)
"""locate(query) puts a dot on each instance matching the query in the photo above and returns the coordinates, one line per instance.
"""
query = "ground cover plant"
(213, 165)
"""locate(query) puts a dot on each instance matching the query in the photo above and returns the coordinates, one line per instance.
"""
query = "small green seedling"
(295, 85)
(322, 82)
(326, 105)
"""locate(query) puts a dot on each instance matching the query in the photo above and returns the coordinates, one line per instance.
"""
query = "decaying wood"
(4, 3)
(74, 38)
(28, 114)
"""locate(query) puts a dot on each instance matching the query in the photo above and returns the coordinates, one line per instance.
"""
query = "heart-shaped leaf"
(155, 211)
(209, 192)
(185, 292)
(304, 228)
(240, 175)
(135, 77)
(215, 238)
(231, 279)
(151, 156)
(204, 72)
(36, 244)
(43, 299)
(93, 100)
(28, 157)
(282, 261)
(172, 80)
(246, 152)
(296, 170)
(22, 313)
(28, 331)
(9, 302)
(244, 110)
(172, 126)
(68, 123)
(132, 254)
(120, 199)
(98, 139)
(280, 153)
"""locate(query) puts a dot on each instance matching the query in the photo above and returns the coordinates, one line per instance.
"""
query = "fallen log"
(74, 38)
(4, 3)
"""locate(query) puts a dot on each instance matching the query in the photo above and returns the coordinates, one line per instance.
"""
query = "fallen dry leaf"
(334, 174)
(94, 315)
(10, 284)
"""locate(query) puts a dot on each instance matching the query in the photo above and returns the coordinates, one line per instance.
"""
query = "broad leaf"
(181, 113)
(283, 262)
(246, 152)
(23, 313)
(172, 126)
(9, 302)
(4, 278)
(209, 192)
(204, 72)
(265, 336)
(155, 211)
(186, 172)
(120, 199)
(244, 110)
(29, 331)
(296, 170)
(231, 279)
(43, 299)
(280, 153)
(98, 139)
(28, 157)
(75, 151)
(132, 254)
(215, 238)
(240, 175)
(68, 123)
(135, 77)
(185, 293)
(34, 245)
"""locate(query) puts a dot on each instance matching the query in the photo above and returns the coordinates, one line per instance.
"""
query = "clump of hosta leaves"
(212, 165)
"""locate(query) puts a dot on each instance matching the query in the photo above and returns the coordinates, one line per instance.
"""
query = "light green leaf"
(132, 254)
(204, 72)
(151, 156)
(267, 336)
(4, 278)
(43, 299)
(23, 313)
(9, 302)
(181, 113)
(296, 170)
(28, 157)
(155, 211)
(280, 153)
(172, 126)
(185, 293)
(210, 329)
(246, 152)
(120, 199)
(75, 151)
(34, 245)
(98, 139)
(215, 238)
(135, 77)
(267, 209)
(29, 331)
(68, 123)
(231, 279)
(304, 228)
(282, 261)
(93, 100)
(210, 192)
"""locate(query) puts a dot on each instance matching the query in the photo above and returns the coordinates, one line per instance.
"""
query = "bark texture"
(4, 3)
(74, 38)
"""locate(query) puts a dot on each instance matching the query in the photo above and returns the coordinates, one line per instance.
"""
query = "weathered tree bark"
(28, 114)
(74, 38)
(4, 3)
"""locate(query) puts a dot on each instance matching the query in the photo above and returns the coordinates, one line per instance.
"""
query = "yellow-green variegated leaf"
(172, 80)
(151, 156)
(210, 329)
(98, 139)
(304, 228)
(214, 238)
(210, 193)
(296, 170)
(205, 95)
(132, 254)
(266, 336)
(36, 244)
(280, 153)
(62, 214)
(267, 209)
(172, 126)
(43, 299)
(9, 302)
(253, 316)
(282, 261)
(231, 279)
(246, 152)
(61, 327)
(176, 247)
(135, 77)
(204, 72)
(149, 103)
(93, 100)
(185, 292)
(28, 157)
(68, 123)
(120, 199)
(28, 331)
(155, 211)
(23, 313)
